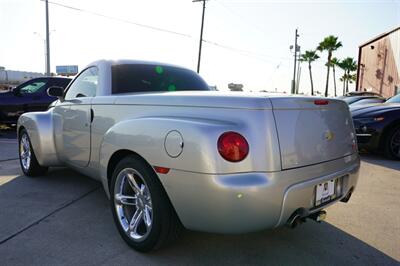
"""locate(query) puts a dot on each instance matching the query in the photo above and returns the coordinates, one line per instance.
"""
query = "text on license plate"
(325, 192)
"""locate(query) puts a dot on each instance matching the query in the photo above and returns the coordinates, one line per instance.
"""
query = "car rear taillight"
(233, 147)
(161, 170)
(321, 102)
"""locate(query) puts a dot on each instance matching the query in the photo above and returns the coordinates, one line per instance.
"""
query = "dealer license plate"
(325, 192)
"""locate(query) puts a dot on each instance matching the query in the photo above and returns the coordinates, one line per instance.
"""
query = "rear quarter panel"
(142, 129)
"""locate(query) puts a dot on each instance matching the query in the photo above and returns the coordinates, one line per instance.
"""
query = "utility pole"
(298, 73)
(298, 79)
(295, 62)
(47, 40)
(201, 33)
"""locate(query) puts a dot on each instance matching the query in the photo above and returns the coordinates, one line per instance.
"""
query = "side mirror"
(16, 92)
(56, 92)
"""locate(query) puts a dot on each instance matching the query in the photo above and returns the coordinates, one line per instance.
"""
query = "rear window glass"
(147, 78)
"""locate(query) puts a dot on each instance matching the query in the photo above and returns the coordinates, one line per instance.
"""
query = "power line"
(240, 51)
(244, 53)
(241, 17)
(121, 20)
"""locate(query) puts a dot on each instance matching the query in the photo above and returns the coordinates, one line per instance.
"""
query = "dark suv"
(28, 97)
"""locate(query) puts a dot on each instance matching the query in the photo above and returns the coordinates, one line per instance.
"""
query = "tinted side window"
(148, 78)
(85, 85)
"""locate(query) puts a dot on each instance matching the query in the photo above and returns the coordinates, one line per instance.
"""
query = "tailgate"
(312, 130)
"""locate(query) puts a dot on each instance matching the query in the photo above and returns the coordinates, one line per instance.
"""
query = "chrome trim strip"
(363, 135)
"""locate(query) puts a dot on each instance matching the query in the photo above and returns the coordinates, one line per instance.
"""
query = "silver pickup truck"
(170, 153)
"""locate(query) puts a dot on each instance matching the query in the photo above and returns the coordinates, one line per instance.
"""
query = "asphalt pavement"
(64, 218)
(8, 144)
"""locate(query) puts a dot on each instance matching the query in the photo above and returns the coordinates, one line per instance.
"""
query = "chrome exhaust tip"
(297, 220)
(318, 216)
(299, 217)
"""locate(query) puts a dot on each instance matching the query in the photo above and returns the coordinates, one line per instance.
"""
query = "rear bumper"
(245, 202)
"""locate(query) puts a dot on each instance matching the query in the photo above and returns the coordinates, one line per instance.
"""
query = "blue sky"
(248, 41)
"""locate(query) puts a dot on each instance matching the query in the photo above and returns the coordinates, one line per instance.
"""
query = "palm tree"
(349, 65)
(352, 78)
(334, 62)
(343, 79)
(310, 56)
(329, 44)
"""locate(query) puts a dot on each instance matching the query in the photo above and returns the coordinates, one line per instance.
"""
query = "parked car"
(362, 93)
(28, 97)
(369, 100)
(378, 127)
(360, 100)
(170, 152)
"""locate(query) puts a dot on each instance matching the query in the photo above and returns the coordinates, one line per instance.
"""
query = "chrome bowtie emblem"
(329, 135)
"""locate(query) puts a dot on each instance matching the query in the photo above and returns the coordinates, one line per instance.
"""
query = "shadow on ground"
(8, 144)
(7, 132)
(64, 218)
(381, 161)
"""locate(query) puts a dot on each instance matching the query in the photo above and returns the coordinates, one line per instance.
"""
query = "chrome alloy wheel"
(395, 143)
(132, 201)
(25, 152)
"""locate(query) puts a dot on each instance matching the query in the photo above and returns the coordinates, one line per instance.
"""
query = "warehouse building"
(379, 64)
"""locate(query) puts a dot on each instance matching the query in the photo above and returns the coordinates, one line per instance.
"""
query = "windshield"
(394, 99)
(152, 78)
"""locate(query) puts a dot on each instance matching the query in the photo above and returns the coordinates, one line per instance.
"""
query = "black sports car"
(28, 97)
(378, 127)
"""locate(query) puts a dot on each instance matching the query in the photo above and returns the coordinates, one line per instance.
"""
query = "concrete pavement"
(64, 218)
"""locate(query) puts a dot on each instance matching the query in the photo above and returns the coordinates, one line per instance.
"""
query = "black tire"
(34, 168)
(392, 151)
(165, 225)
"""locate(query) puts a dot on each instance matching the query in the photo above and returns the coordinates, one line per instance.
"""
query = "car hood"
(6, 96)
(6, 93)
(372, 109)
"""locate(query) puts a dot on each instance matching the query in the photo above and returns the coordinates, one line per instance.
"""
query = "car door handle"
(91, 115)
